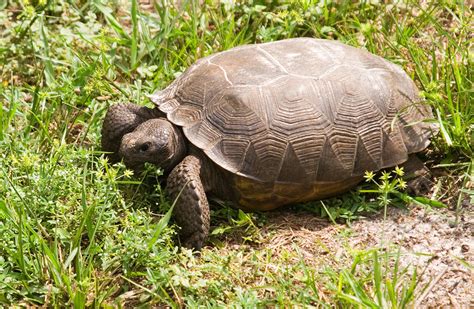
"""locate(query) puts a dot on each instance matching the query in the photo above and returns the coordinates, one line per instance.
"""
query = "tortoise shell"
(298, 111)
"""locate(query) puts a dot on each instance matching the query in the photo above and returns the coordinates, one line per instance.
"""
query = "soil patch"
(443, 253)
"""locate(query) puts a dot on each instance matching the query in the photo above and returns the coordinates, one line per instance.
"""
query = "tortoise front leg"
(120, 120)
(191, 211)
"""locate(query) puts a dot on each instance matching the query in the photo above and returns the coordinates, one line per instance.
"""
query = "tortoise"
(271, 124)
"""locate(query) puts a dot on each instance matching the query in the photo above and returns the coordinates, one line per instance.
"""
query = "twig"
(430, 287)
(454, 302)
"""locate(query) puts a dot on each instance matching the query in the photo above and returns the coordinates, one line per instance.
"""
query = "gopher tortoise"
(271, 124)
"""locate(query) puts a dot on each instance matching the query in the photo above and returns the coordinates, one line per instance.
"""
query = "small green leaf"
(429, 202)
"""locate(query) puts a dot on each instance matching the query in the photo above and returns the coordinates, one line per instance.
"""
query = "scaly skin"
(120, 120)
(417, 175)
(154, 141)
(126, 129)
(191, 210)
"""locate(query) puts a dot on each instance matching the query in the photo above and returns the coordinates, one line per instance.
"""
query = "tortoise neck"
(146, 113)
(179, 149)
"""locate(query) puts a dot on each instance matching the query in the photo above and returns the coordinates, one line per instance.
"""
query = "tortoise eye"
(144, 147)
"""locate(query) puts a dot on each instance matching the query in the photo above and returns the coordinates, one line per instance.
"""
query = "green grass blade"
(160, 226)
(377, 278)
(443, 130)
(134, 43)
(48, 65)
(112, 21)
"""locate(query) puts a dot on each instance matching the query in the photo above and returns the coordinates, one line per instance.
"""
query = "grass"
(77, 231)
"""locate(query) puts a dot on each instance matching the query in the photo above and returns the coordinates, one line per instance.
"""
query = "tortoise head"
(155, 141)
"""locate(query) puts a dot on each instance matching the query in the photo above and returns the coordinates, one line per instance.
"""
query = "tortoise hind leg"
(120, 120)
(418, 176)
(191, 210)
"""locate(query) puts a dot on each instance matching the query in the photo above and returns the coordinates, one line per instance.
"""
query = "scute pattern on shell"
(299, 110)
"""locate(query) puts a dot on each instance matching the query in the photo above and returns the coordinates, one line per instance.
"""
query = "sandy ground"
(426, 237)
